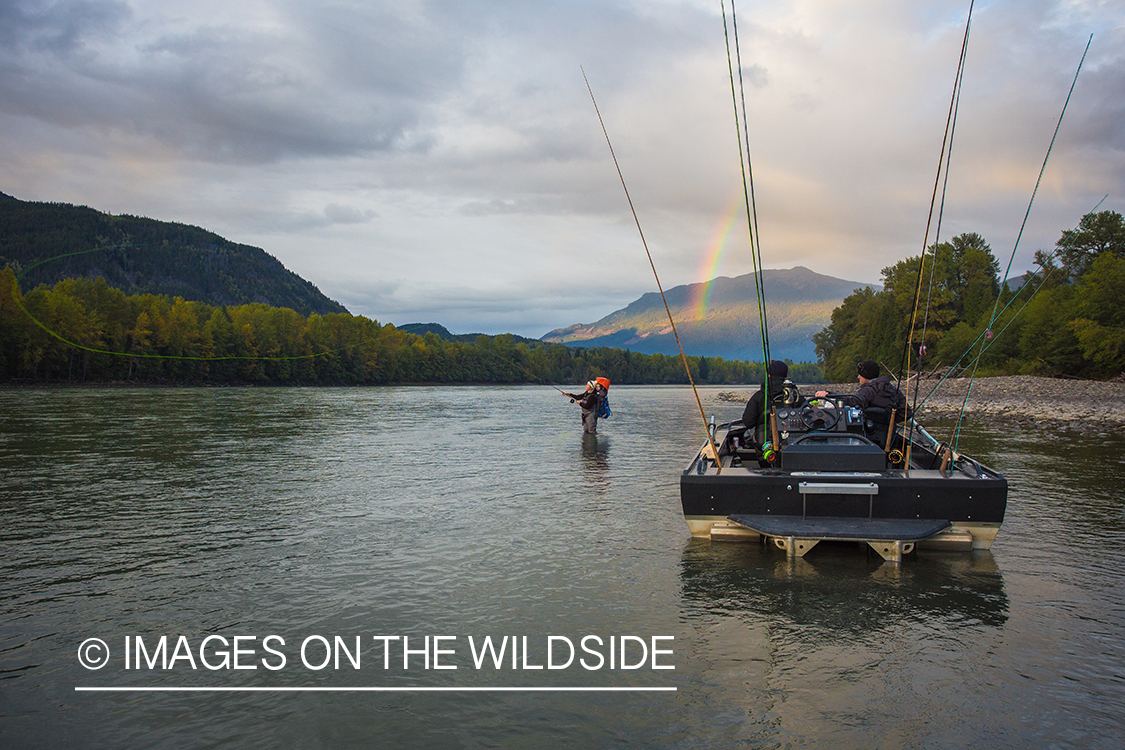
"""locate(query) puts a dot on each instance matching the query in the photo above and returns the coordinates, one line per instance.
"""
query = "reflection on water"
(595, 462)
(487, 511)
(843, 590)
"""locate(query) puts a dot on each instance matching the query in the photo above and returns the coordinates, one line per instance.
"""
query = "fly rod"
(742, 135)
(944, 159)
(956, 440)
(668, 310)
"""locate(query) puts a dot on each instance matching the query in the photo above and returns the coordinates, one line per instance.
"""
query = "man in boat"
(782, 391)
(877, 396)
(591, 402)
(875, 390)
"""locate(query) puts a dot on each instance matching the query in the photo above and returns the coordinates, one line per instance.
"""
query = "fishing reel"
(895, 456)
(768, 453)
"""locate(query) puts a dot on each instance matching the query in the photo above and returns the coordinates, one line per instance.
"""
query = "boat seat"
(749, 455)
(875, 421)
(748, 450)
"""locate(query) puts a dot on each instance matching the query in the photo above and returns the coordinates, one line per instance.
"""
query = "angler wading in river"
(594, 402)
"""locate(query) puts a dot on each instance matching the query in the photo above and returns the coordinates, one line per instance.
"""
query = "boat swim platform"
(890, 537)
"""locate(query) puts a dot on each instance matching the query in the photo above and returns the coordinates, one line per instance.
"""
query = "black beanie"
(778, 369)
(868, 370)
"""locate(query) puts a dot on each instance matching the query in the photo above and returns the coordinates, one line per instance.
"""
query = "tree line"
(1068, 319)
(88, 331)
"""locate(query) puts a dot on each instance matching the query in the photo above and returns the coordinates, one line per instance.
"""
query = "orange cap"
(603, 382)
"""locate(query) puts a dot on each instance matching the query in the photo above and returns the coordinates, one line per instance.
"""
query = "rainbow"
(714, 255)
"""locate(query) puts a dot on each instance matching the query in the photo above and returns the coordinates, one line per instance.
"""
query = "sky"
(441, 161)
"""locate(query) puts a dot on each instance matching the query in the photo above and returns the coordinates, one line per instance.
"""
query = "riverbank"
(1086, 405)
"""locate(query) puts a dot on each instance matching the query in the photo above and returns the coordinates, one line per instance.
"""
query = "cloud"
(60, 28)
(337, 81)
(489, 208)
(446, 156)
(337, 214)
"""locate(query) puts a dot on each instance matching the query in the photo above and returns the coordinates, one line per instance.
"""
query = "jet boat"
(823, 473)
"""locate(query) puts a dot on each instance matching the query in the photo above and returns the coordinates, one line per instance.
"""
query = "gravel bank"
(1087, 405)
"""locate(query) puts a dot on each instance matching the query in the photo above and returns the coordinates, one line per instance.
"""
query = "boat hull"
(974, 506)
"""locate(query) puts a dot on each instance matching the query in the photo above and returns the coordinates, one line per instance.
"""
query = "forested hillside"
(83, 330)
(1068, 320)
(145, 256)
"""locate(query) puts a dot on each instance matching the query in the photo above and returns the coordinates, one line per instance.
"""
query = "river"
(422, 520)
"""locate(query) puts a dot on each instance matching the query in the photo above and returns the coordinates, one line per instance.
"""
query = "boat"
(825, 470)
(830, 479)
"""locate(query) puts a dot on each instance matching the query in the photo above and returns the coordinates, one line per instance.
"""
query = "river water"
(397, 515)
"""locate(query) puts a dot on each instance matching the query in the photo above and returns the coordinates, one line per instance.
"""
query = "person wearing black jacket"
(877, 397)
(875, 391)
(755, 412)
(590, 401)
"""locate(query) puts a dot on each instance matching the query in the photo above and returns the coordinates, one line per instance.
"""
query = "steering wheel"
(820, 414)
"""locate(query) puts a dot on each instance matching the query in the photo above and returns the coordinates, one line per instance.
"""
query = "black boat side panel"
(778, 494)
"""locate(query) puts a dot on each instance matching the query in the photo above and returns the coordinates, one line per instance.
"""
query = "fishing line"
(671, 321)
(17, 295)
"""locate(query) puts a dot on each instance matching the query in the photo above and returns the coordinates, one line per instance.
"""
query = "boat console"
(819, 414)
(820, 435)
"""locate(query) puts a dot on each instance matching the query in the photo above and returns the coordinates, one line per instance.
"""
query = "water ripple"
(484, 511)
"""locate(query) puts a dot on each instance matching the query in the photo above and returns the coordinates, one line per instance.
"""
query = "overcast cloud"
(441, 161)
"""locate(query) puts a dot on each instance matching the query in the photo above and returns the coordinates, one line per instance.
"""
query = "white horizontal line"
(373, 689)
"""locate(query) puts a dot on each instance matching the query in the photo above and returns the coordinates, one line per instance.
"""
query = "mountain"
(146, 256)
(799, 303)
(1015, 283)
(421, 329)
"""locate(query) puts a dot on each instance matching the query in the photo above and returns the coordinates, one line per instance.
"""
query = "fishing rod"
(539, 381)
(1026, 284)
(941, 212)
(943, 166)
(742, 135)
(961, 416)
(746, 166)
(1070, 240)
(668, 310)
